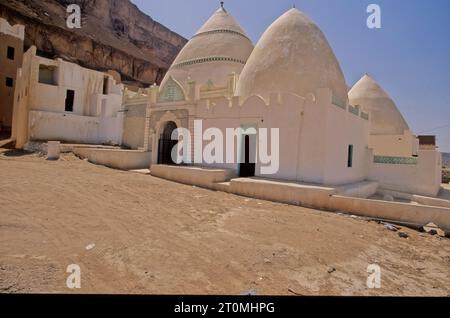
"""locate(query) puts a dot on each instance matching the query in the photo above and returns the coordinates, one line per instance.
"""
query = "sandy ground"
(157, 237)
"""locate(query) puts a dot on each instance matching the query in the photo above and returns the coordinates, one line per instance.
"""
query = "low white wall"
(307, 195)
(192, 175)
(359, 190)
(115, 158)
(416, 198)
(423, 178)
(418, 215)
(73, 128)
(285, 192)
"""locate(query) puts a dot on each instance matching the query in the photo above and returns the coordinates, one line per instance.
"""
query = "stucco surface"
(293, 56)
(386, 119)
(213, 39)
(115, 158)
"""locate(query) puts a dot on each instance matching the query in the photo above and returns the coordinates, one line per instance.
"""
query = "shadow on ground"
(15, 153)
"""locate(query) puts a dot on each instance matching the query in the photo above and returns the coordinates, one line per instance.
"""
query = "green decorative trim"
(207, 60)
(338, 102)
(395, 160)
(364, 115)
(354, 110)
(171, 92)
(221, 31)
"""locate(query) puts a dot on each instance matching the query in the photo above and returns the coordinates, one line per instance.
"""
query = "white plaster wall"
(314, 135)
(423, 178)
(134, 125)
(115, 158)
(73, 128)
(17, 30)
(343, 129)
(393, 145)
(96, 117)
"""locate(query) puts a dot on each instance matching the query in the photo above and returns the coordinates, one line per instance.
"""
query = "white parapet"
(17, 31)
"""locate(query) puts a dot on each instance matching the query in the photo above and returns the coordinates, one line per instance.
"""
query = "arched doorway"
(166, 144)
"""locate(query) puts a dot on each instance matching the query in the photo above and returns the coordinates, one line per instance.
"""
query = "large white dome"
(293, 56)
(219, 48)
(385, 118)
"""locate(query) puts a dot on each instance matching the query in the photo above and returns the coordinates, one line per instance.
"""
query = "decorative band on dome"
(207, 60)
(221, 31)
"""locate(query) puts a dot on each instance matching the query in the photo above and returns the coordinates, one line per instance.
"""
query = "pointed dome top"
(219, 48)
(386, 119)
(221, 20)
(293, 56)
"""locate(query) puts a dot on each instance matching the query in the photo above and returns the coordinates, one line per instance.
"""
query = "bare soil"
(153, 236)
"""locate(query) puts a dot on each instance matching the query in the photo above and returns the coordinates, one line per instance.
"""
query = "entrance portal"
(166, 144)
(247, 167)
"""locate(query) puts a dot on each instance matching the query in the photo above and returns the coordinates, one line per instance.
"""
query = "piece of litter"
(403, 235)
(390, 227)
(90, 247)
(294, 292)
(433, 229)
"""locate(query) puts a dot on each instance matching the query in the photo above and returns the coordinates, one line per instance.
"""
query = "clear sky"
(409, 56)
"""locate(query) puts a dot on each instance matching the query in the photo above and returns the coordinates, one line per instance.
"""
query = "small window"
(105, 85)
(47, 74)
(9, 82)
(11, 53)
(350, 156)
(70, 97)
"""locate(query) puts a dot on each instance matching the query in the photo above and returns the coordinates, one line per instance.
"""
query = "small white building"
(292, 81)
(59, 100)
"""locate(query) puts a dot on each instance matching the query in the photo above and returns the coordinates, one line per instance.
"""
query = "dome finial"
(221, 4)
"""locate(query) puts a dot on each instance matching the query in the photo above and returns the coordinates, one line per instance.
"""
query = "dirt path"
(158, 237)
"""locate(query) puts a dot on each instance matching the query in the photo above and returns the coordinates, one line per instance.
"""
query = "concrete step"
(364, 189)
(222, 186)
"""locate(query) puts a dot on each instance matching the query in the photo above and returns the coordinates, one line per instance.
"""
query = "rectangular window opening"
(9, 82)
(47, 74)
(70, 97)
(350, 156)
(105, 85)
(11, 52)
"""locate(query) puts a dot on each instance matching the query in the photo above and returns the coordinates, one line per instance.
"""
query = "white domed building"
(389, 133)
(292, 85)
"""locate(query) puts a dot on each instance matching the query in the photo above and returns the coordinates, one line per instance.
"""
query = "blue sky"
(409, 56)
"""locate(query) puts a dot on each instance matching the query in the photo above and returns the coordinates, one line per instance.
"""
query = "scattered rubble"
(90, 247)
(331, 269)
(433, 230)
(390, 227)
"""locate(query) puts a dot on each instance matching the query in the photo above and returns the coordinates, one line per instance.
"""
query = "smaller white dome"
(385, 118)
(220, 47)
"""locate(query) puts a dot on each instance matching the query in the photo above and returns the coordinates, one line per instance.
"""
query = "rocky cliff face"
(115, 35)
